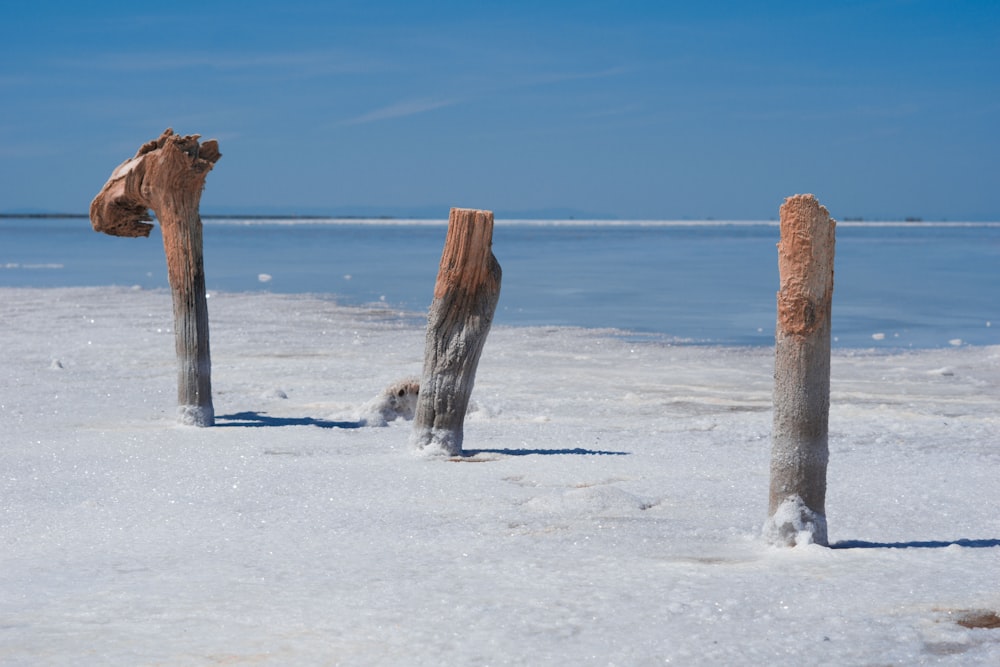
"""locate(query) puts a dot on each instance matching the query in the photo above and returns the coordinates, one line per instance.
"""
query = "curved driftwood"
(799, 450)
(167, 175)
(465, 299)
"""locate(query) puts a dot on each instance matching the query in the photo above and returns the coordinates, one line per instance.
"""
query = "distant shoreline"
(43, 215)
(293, 216)
(263, 217)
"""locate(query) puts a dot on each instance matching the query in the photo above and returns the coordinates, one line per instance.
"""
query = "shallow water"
(908, 285)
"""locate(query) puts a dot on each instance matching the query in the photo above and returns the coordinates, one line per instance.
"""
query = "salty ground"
(610, 514)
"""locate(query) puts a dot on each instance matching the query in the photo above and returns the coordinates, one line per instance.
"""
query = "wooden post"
(799, 450)
(465, 298)
(168, 175)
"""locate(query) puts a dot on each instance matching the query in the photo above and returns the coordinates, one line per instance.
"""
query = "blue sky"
(656, 110)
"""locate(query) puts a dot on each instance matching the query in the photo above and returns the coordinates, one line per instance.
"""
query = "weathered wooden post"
(799, 449)
(168, 175)
(465, 298)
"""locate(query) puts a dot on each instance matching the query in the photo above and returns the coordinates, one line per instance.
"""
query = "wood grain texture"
(799, 451)
(168, 175)
(459, 320)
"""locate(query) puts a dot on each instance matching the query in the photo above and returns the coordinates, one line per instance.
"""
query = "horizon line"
(849, 221)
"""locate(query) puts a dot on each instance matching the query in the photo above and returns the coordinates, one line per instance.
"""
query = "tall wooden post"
(465, 299)
(799, 451)
(168, 175)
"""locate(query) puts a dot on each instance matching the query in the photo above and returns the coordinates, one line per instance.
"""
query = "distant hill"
(35, 214)
(425, 212)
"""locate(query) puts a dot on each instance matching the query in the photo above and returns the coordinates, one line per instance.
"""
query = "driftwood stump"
(799, 449)
(168, 175)
(465, 299)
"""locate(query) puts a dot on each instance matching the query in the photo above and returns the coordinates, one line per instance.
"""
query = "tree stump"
(168, 175)
(799, 449)
(465, 299)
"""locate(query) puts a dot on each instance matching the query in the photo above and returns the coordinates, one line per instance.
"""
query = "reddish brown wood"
(167, 175)
(465, 299)
(799, 449)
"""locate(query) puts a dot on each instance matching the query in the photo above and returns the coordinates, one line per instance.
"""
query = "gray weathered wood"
(168, 175)
(799, 450)
(465, 299)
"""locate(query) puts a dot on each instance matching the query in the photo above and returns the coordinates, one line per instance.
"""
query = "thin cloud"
(165, 61)
(399, 110)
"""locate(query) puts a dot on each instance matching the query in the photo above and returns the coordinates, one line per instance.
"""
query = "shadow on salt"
(262, 419)
(576, 451)
(928, 544)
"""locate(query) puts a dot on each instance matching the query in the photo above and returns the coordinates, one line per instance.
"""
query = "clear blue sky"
(658, 110)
